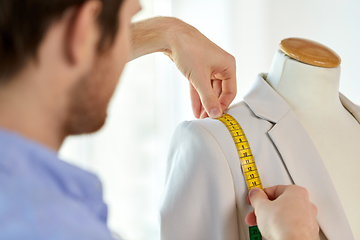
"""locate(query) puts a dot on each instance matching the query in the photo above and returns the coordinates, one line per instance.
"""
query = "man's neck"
(30, 112)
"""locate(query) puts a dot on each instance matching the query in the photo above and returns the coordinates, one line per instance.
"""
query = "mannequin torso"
(313, 94)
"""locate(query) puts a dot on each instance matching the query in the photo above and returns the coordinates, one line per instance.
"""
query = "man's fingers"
(315, 209)
(203, 113)
(229, 89)
(197, 107)
(275, 191)
(208, 97)
(195, 101)
(250, 219)
(217, 86)
(257, 196)
(228, 93)
(211, 104)
(213, 95)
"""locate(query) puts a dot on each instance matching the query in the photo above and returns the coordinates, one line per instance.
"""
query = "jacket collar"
(267, 104)
(351, 107)
(300, 156)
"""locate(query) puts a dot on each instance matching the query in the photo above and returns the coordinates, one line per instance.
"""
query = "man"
(59, 64)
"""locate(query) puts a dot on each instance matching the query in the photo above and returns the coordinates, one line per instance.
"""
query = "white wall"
(129, 154)
(333, 23)
(251, 31)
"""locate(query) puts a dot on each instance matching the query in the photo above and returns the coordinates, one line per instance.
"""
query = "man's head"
(24, 23)
(75, 49)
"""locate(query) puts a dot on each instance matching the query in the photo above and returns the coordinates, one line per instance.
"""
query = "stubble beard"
(90, 96)
(88, 102)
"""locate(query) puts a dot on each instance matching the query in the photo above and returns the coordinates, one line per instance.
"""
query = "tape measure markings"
(247, 161)
(246, 157)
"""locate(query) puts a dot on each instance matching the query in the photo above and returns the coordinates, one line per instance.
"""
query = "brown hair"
(23, 24)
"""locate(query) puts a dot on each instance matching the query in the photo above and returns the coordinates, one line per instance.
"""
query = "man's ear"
(83, 33)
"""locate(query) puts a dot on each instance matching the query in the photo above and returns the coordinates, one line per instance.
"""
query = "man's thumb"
(212, 105)
(257, 195)
(208, 97)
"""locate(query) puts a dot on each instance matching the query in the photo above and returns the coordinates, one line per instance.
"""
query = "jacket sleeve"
(199, 198)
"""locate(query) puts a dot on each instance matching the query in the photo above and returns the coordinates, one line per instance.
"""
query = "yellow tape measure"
(247, 161)
(246, 157)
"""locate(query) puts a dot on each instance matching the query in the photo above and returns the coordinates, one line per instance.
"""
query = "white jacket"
(205, 192)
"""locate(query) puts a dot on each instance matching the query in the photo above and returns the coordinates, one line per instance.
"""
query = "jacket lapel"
(351, 107)
(300, 157)
(307, 169)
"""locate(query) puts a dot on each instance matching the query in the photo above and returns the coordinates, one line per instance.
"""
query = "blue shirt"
(44, 198)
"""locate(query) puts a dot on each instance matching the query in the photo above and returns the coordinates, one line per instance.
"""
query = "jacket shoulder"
(198, 184)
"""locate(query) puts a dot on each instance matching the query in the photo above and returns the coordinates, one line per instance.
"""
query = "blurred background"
(129, 153)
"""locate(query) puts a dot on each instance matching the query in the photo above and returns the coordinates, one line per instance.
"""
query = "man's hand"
(210, 70)
(283, 212)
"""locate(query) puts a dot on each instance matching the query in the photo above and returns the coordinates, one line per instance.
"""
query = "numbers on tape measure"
(247, 162)
(254, 233)
(246, 157)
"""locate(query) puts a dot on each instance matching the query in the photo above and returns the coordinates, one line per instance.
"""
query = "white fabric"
(205, 192)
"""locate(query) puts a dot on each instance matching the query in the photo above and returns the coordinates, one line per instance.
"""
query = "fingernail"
(215, 113)
(253, 191)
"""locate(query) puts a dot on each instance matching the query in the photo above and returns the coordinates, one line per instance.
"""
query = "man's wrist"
(157, 34)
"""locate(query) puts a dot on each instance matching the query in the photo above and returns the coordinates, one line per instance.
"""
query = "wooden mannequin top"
(310, 52)
(313, 94)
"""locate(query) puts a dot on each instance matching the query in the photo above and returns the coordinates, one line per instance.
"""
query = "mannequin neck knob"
(310, 52)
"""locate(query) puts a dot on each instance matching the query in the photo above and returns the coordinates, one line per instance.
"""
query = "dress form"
(313, 94)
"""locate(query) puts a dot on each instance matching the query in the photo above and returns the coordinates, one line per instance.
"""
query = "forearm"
(154, 35)
(197, 58)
